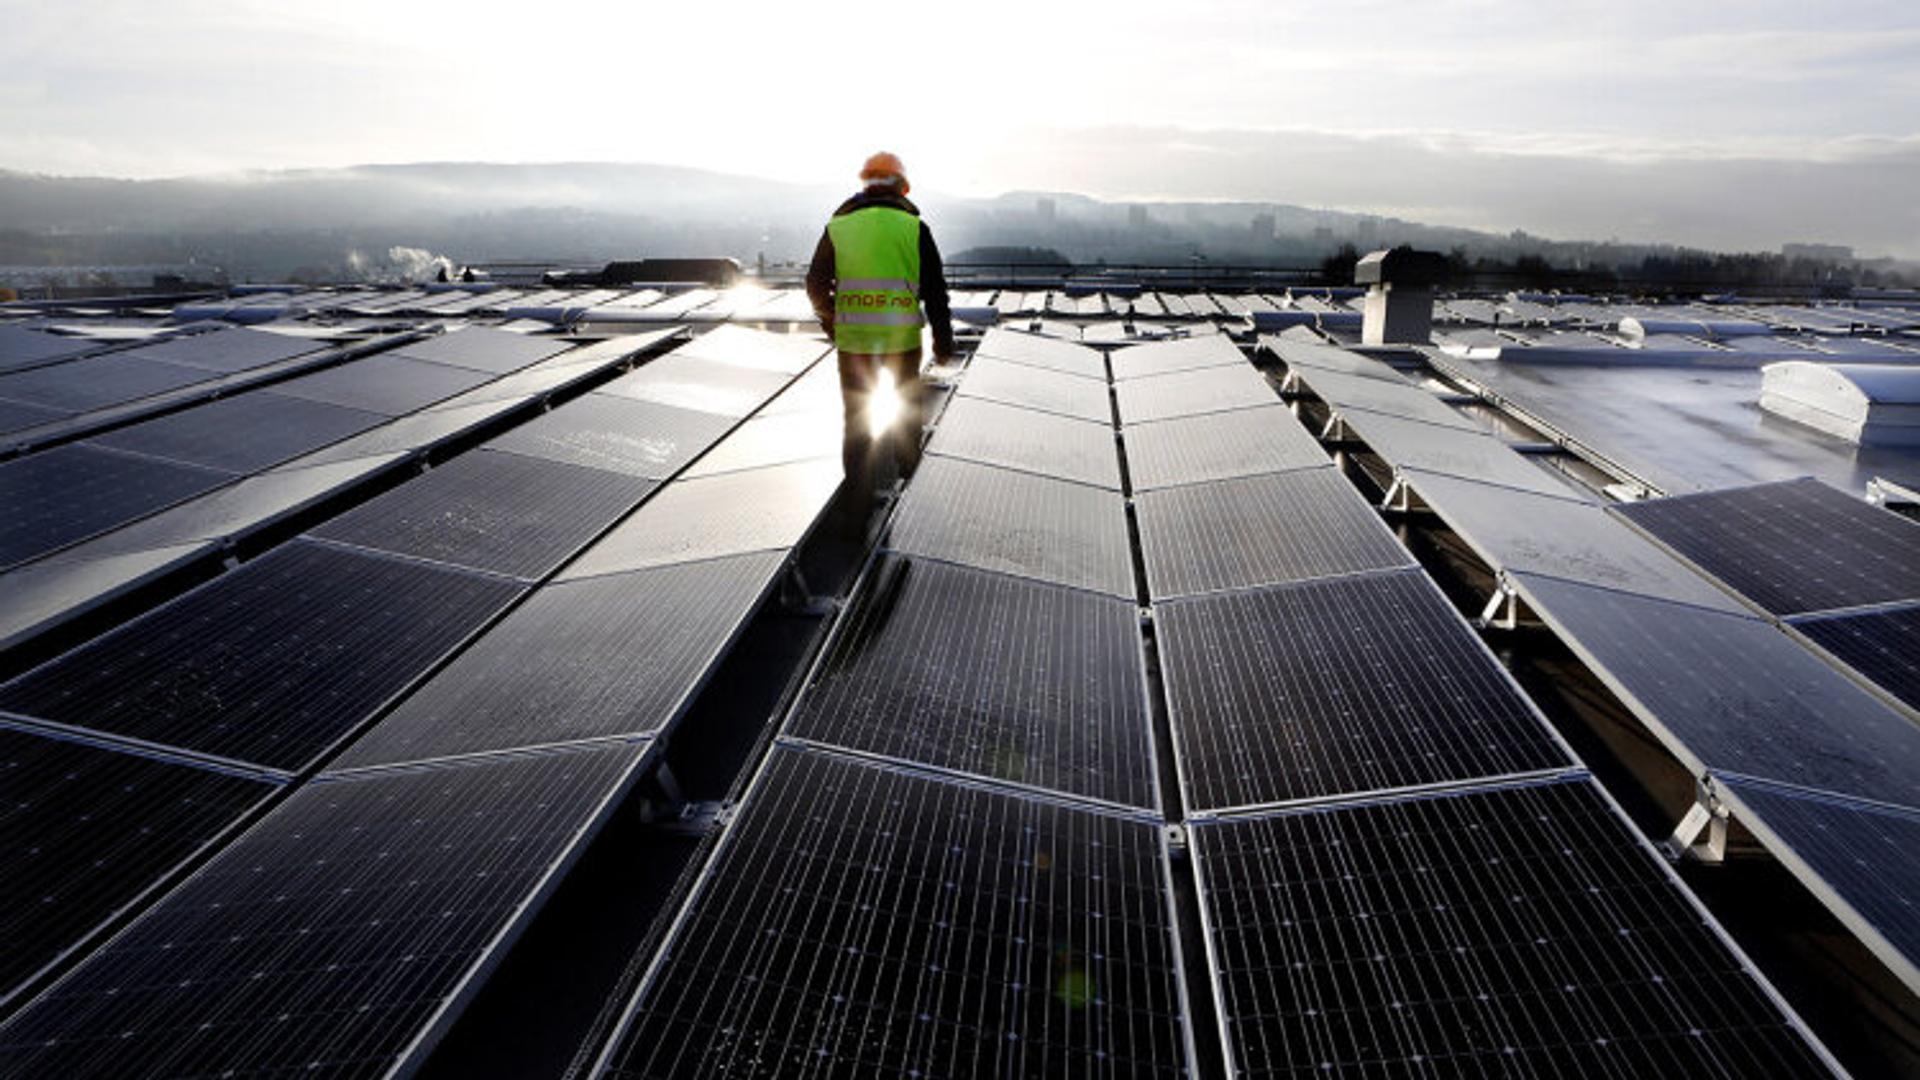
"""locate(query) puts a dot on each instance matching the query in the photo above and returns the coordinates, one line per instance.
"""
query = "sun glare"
(883, 404)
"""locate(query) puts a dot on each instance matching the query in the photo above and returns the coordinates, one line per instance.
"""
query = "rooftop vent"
(1399, 306)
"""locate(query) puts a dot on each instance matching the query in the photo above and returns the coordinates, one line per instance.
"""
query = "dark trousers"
(858, 453)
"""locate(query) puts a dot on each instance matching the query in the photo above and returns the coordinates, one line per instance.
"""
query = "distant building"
(1367, 233)
(1822, 252)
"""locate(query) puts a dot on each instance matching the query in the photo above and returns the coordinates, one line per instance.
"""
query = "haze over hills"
(339, 223)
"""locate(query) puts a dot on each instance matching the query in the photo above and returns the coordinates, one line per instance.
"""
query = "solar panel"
(1260, 530)
(1521, 931)
(816, 391)
(1735, 692)
(480, 348)
(85, 831)
(1791, 547)
(494, 511)
(860, 921)
(23, 346)
(1354, 684)
(1868, 855)
(68, 493)
(1030, 441)
(1563, 538)
(756, 510)
(1184, 354)
(331, 938)
(227, 351)
(1038, 388)
(693, 383)
(1016, 523)
(386, 384)
(1883, 645)
(773, 440)
(786, 353)
(1404, 400)
(639, 438)
(1219, 446)
(989, 675)
(1187, 393)
(242, 434)
(97, 382)
(271, 663)
(613, 656)
(1036, 351)
(417, 431)
(18, 416)
(1410, 444)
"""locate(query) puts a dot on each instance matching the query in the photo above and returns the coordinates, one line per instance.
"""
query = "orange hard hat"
(882, 167)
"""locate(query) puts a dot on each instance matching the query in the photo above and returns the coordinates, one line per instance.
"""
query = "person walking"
(874, 269)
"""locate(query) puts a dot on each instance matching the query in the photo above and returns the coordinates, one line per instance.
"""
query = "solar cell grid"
(786, 353)
(244, 433)
(1016, 523)
(1260, 530)
(640, 438)
(1408, 402)
(231, 350)
(1791, 547)
(84, 831)
(330, 936)
(861, 921)
(1030, 441)
(1468, 455)
(773, 440)
(479, 348)
(66, 494)
(1509, 931)
(385, 384)
(691, 382)
(1355, 684)
(1038, 388)
(493, 511)
(1038, 351)
(989, 675)
(1187, 393)
(419, 431)
(756, 510)
(1882, 645)
(611, 656)
(1219, 446)
(1735, 692)
(1868, 854)
(19, 416)
(24, 346)
(271, 663)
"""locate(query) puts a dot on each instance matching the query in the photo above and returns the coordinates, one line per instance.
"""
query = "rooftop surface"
(483, 680)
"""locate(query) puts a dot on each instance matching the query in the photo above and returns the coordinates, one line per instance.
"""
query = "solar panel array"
(456, 811)
(1727, 693)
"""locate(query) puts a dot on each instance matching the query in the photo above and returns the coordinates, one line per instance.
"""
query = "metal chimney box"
(1399, 306)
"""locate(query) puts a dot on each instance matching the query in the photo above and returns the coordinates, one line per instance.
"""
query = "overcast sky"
(1728, 125)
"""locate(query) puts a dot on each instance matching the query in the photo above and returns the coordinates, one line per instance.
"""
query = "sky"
(1710, 123)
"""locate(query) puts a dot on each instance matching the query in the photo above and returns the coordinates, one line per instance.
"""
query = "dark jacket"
(933, 278)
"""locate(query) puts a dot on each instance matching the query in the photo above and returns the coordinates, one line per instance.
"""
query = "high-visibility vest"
(876, 266)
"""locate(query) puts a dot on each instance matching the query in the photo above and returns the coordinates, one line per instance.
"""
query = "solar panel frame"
(1178, 354)
(1883, 645)
(1188, 393)
(274, 958)
(1364, 683)
(640, 438)
(991, 676)
(1016, 523)
(1858, 857)
(1409, 445)
(20, 416)
(1028, 441)
(88, 831)
(175, 676)
(1260, 530)
(1038, 388)
(493, 511)
(1061, 988)
(1219, 446)
(1792, 546)
(1697, 678)
(1037, 351)
(610, 657)
(1375, 395)
(1524, 928)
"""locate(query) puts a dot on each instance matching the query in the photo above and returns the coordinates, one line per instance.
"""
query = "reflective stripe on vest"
(876, 280)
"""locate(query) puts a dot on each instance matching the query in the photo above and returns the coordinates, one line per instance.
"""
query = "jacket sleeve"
(933, 293)
(820, 282)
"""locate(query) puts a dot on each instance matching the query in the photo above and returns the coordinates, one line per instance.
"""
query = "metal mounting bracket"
(1336, 430)
(1503, 609)
(798, 598)
(1707, 815)
(1400, 497)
